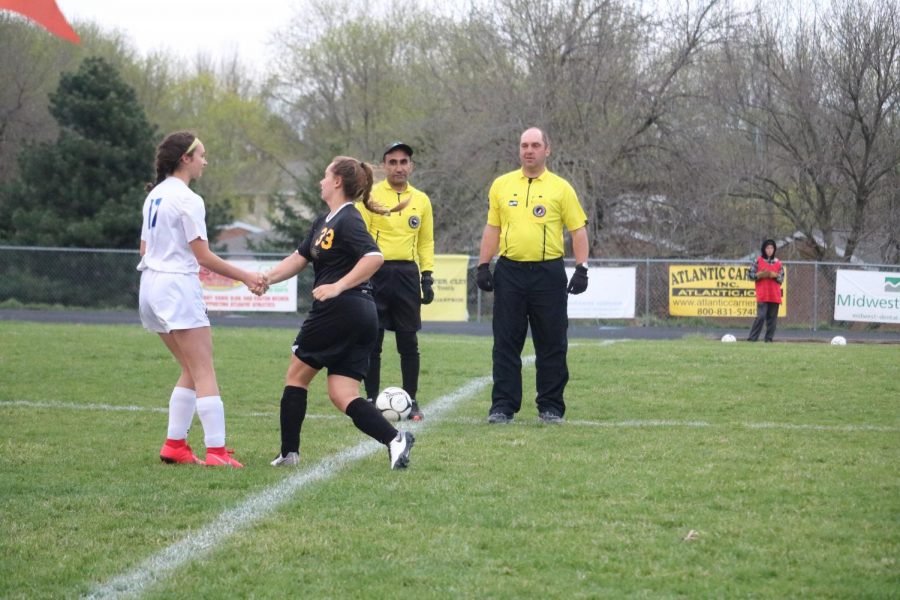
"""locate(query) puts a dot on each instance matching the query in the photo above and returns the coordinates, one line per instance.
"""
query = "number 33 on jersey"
(325, 239)
(323, 242)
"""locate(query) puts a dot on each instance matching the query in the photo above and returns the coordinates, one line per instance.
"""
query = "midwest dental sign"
(871, 296)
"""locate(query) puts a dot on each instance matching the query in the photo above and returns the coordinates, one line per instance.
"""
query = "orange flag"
(45, 13)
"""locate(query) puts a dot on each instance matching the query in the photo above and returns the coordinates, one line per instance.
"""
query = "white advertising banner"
(225, 294)
(872, 296)
(610, 294)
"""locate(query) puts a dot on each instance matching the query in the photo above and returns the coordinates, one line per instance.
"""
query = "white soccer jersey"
(174, 216)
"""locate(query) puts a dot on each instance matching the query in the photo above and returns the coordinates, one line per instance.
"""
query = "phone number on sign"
(726, 312)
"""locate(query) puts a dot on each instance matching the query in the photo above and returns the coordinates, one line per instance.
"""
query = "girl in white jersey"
(174, 245)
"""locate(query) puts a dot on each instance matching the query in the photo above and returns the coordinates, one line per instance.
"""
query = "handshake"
(258, 283)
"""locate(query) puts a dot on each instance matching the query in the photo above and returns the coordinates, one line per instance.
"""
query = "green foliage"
(292, 218)
(84, 189)
(662, 439)
(247, 145)
(358, 84)
(30, 62)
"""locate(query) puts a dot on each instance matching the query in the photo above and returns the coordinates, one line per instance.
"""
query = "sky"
(216, 28)
(219, 28)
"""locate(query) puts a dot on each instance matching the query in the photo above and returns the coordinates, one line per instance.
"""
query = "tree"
(29, 67)
(291, 218)
(701, 126)
(814, 109)
(607, 83)
(84, 189)
(31, 62)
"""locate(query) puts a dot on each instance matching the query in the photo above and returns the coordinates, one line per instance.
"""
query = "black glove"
(483, 277)
(579, 280)
(427, 292)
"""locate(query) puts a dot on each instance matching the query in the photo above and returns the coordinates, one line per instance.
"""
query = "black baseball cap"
(397, 146)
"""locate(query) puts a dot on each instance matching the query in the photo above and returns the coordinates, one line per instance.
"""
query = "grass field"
(685, 469)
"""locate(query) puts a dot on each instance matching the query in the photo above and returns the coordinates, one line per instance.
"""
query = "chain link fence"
(107, 279)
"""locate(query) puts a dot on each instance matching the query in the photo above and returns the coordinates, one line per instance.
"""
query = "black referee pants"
(530, 293)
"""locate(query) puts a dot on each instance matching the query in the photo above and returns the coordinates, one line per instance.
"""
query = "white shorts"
(171, 301)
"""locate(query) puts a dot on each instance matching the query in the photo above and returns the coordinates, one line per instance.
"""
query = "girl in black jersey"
(340, 331)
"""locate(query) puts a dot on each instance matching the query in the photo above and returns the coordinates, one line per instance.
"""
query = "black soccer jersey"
(335, 246)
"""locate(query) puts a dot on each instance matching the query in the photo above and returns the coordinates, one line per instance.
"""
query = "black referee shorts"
(398, 296)
(339, 334)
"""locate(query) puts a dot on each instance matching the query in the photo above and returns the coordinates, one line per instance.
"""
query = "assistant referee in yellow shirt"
(405, 235)
(528, 209)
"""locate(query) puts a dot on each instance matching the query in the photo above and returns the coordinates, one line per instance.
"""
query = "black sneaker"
(499, 418)
(416, 413)
(550, 417)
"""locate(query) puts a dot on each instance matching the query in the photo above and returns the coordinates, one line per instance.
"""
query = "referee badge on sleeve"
(414, 222)
(539, 210)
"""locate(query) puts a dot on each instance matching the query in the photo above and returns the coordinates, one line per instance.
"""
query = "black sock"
(408, 346)
(373, 376)
(370, 421)
(293, 410)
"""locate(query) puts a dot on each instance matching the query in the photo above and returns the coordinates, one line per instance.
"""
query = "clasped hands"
(258, 283)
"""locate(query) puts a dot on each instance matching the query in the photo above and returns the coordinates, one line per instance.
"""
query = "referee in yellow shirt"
(405, 235)
(528, 209)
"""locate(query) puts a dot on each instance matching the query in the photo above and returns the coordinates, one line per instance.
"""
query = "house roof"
(797, 246)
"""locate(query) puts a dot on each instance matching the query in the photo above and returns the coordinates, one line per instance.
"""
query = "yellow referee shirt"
(531, 214)
(404, 235)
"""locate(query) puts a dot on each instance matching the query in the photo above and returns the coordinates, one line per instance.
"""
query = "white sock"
(212, 417)
(181, 412)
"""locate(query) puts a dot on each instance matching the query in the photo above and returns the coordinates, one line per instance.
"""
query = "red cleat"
(178, 455)
(416, 413)
(221, 457)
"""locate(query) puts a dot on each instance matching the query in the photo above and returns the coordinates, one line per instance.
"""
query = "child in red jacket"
(768, 273)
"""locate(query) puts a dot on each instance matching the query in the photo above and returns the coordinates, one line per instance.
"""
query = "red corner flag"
(45, 13)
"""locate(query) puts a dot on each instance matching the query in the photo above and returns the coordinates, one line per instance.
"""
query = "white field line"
(521, 419)
(132, 408)
(74, 406)
(201, 542)
(673, 423)
(584, 344)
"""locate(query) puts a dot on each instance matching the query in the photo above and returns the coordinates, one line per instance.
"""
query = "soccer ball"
(394, 403)
(728, 338)
(838, 340)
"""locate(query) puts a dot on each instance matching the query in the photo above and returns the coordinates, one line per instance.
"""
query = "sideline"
(577, 329)
(623, 424)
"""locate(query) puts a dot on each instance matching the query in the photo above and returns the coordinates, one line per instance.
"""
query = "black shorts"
(339, 334)
(398, 296)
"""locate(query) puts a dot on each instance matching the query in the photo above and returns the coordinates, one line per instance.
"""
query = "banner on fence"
(225, 294)
(450, 289)
(715, 291)
(610, 294)
(871, 296)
